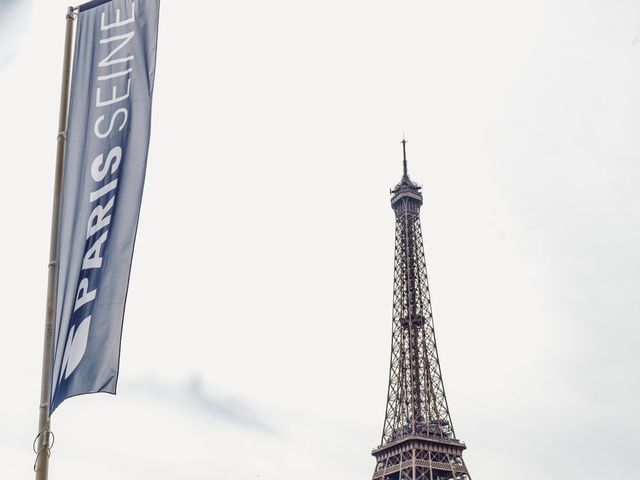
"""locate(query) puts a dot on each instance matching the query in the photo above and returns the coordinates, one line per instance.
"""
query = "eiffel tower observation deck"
(418, 439)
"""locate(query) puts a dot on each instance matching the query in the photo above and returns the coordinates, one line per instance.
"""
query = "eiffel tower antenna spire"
(404, 156)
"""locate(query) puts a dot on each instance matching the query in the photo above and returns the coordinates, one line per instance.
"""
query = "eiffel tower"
(418, 440)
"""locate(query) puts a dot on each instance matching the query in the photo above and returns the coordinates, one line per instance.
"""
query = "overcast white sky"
(257, 333)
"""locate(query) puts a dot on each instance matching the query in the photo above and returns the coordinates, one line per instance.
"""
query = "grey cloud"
(8, 3)
(12, 11)
(13, 16)
(193, 393)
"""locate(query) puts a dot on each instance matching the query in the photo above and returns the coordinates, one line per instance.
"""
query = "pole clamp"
(62, 135)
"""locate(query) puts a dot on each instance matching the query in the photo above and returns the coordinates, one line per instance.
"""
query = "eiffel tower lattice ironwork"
(418, 440)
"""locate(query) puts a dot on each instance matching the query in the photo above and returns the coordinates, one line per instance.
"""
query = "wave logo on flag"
(105, 162)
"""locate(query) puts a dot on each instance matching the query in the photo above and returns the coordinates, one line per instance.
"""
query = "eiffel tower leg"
(467, 476)
(387, 464)
(453, 464)
(413, 464)
(430, 466)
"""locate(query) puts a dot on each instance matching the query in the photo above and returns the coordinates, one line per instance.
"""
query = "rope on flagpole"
(47, 445)
(46, 432)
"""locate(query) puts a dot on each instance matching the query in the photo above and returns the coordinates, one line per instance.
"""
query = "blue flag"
(105, 161)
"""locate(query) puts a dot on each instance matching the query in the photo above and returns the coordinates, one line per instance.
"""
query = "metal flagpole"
(43, 441)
